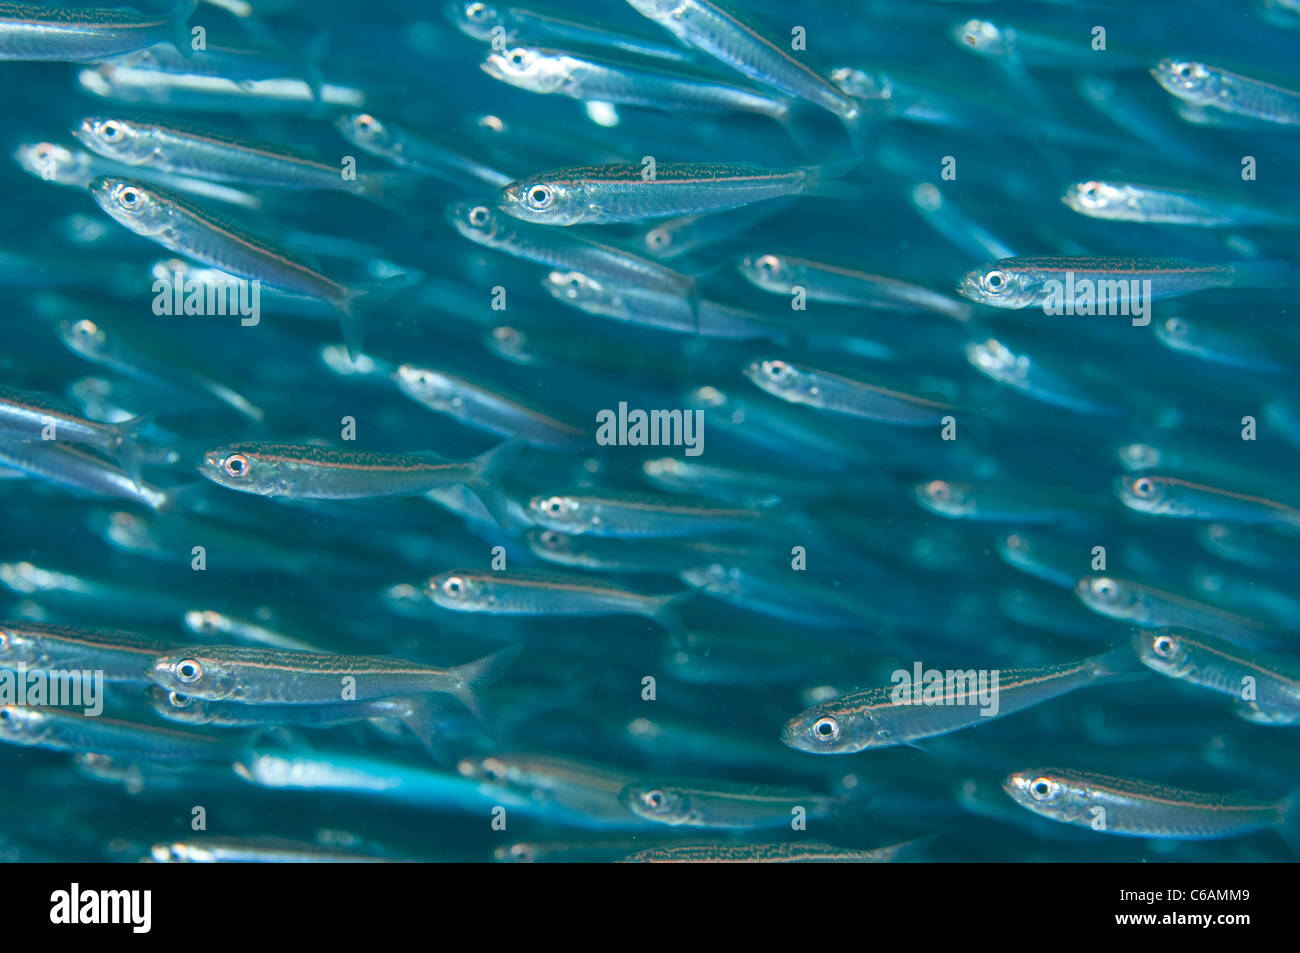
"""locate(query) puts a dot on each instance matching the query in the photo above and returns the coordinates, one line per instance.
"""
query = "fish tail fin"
(1270, 273)
(178, 26)
(910, 849)
(125, 444)
(398, 192)
(468, 679)
(313, 56)
(485, 483)
(668, 610)
(419, 716)
(357, 302)
(821, 179)
(180, 497)
(1119, 664)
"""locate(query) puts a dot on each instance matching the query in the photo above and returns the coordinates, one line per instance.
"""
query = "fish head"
(188, 674)
(527, 68)
(365, 130)
(175, 706)
(657, 802)
(114, 139)
(1101, 200)
(52, 162)
(18, 647)
(541, 201)
(1175, 333)
(1049, 792)
(474, 18)
(775, 377)
(1190, 81)
(1163, 651)
(132, 204)
(237, 468)
(552, 545)
(458, 591)
(583, 291)
(946, 498)
(985, 38)
(1138, 456)
(426, 385)
(1109, 596)
(21, 725)
(997, 286)
(769, 272)
(85, 337)
(510, 343)
(824, 729)
(564, 513)
(478, 223)
(1144, 493)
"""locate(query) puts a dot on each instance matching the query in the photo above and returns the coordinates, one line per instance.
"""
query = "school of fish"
(662, 431)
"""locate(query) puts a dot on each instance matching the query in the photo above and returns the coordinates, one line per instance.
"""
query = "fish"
(553, 72)
(908, 710)
(1268, 682)
(731, 37)
(188, 229)
(305, 472)
(1202, 84)
(635, 192)
(38, 32)
(1135, 808)
(1086, 284)
(263, 676)
(721, 804)
(539, 593)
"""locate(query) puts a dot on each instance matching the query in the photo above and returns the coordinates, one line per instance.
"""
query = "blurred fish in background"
(670, 431)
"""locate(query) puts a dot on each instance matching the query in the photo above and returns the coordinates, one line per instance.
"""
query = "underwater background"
(422, 442)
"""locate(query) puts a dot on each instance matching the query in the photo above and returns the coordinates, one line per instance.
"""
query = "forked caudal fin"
(466, 680)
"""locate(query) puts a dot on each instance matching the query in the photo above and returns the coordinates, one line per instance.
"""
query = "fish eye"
(1176, 327)
(995, 281)
(479, 216)
(476, 11)
(551, 539)
(517, 57)
(553, 506)
(494, 770)
(112, 131)
(939, 491)
(85, 329)
(189, 670)
(523, 853)
(1090, 193)
(236, 465)
(5, 713)
(768, 265)
(1164, 646)
(177, 700)
(777, 370)
(129, 197)
(826, 729)
(1105, 588)
(1144, 487)
(1183, 71)
(654, 799)
(454, 586)
(658, 238)
(540, 196)
(1042, 789)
